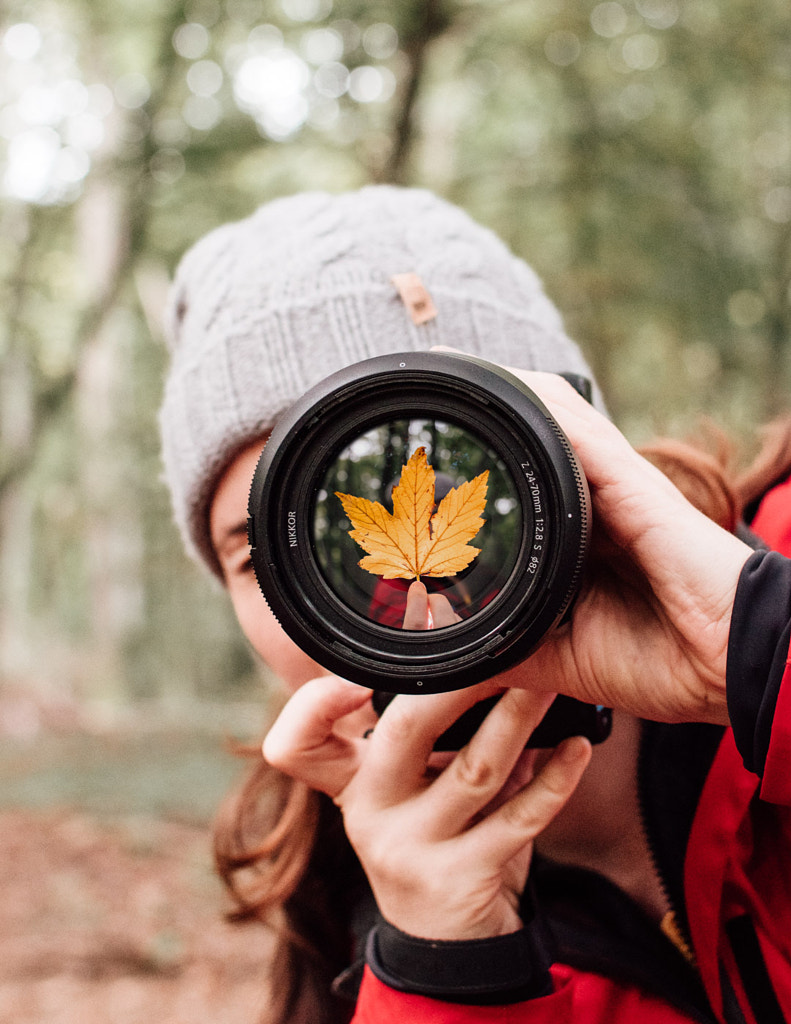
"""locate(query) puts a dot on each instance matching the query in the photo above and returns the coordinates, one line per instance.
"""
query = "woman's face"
(228, 524)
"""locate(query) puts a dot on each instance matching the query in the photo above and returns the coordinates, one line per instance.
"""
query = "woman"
(505, 885)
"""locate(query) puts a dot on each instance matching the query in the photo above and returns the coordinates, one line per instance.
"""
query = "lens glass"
(417, 497)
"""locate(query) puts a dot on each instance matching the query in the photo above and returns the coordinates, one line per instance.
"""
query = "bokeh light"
(271, 87)
(51, 121)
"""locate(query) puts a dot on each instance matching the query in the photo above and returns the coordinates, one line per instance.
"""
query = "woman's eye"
(239, 566)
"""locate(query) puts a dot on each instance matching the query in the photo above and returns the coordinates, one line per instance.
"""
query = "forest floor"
(110, 908)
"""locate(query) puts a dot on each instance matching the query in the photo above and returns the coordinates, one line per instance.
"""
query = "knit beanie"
(262, 309)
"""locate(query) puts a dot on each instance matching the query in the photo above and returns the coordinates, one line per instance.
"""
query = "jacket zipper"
(673, 925)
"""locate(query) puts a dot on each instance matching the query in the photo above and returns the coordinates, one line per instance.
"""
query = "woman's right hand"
(650, 627)
(445, 840)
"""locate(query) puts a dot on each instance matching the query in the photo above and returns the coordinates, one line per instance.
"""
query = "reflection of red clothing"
(388, 601)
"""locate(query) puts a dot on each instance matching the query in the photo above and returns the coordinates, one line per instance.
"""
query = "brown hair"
(709, 470)
(280, 847)
(770, 466)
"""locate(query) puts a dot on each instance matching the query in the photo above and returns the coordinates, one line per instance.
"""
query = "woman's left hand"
(445, 840)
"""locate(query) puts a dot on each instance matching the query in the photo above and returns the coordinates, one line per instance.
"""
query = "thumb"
(306, 741)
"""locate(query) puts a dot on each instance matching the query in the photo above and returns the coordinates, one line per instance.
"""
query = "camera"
(426, 466)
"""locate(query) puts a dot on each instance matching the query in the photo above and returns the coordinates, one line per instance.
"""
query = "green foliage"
(636, 152)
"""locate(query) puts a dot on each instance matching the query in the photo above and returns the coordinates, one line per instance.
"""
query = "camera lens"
(418, 466)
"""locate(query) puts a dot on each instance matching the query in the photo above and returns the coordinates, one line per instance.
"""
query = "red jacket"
(577, 996)
(733, 884)
(772, 521)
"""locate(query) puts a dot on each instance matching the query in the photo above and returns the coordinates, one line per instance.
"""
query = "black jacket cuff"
(494, 971)
(757, 652)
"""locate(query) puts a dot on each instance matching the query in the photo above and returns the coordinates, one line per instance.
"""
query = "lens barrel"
(355, 431)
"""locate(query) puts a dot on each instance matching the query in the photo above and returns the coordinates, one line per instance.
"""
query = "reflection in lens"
(369, 467)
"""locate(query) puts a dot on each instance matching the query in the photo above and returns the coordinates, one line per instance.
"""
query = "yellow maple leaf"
(413, 540)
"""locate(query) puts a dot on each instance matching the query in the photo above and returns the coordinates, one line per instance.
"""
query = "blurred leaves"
(636, 152)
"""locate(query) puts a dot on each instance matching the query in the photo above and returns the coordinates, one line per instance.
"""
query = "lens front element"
(402, 516)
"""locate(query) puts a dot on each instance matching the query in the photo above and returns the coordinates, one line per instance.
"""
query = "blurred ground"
(109, 907)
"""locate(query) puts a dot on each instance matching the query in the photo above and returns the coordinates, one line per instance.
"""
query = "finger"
(482, 768)
(403, 741)
(305, 741)
(442, 613)
(505, 832)
(416, 614)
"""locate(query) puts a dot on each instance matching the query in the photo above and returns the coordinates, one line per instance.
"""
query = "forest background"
(636, 152)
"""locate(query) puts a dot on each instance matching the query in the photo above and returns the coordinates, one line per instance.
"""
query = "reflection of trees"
(637, 154)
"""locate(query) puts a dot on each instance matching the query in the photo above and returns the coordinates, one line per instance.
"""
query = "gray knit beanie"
(262, 309)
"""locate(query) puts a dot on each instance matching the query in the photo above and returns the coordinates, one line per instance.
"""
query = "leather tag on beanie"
(415, 297)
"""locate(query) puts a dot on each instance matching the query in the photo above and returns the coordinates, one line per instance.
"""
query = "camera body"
(353, 436)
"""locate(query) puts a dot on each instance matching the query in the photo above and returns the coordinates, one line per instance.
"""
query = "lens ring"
(504, 415)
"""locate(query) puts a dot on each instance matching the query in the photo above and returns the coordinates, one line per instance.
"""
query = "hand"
(445, 840)
(649, 631)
